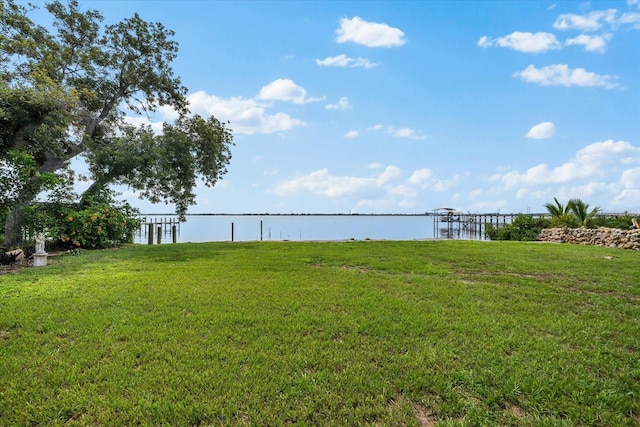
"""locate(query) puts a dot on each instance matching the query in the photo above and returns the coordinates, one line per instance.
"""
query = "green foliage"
(164, 168)
(565, 220)
(447, 333)
(556, 209)
(522, 228)
(20, 179)
(64, 90)
(575, 214)
(98, 222)
(624, 222)
(581, 211)
(35, 118)
(18, 171)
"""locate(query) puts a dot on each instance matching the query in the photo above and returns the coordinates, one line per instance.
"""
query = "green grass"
(350, 333)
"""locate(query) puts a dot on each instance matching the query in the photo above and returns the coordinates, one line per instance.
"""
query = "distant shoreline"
(345, 214)
(292, 214)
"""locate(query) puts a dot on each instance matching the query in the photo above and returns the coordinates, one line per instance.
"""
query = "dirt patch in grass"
(424, 415)
(15, 267)
(358, 268)
(542, 277)
(515, 411)
(480, 277)
(24, 263)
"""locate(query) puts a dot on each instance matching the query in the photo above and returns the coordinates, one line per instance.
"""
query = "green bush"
(623, 222)
(95, 223)
(565, 220)
(522, 228)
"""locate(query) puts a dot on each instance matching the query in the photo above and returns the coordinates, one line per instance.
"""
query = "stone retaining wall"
(603, 236)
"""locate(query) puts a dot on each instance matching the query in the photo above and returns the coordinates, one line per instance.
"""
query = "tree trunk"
(13, 224)
(12, 228)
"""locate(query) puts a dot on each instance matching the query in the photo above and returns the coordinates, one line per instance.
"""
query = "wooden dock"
(449, 223)
(155, 229)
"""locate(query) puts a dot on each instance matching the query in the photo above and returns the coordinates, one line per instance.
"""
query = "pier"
(157, 228)
(449, 223)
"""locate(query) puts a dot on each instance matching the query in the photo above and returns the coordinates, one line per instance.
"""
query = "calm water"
(209, 228)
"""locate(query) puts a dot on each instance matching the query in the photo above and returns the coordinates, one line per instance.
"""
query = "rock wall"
(603, 236)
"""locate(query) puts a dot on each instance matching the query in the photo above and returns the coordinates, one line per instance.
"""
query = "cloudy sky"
(403, 107)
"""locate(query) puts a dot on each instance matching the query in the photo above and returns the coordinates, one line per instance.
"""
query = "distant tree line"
(574, 214)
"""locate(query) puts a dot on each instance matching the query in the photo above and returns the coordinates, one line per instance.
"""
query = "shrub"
(623, 222)
(565, 220)
(522, 228)
(97, 222)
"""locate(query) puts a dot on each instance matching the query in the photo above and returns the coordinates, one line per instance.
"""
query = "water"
(209, 228)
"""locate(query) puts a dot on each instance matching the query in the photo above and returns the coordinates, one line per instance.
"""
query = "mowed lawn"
(332, 333)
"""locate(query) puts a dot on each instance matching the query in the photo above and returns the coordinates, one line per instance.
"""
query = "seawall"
(602, 236)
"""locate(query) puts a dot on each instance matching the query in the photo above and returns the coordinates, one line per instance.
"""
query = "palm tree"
(560, 214)
(556, 210)
(580, 210)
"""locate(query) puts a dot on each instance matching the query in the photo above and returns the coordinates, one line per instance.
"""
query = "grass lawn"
(377, 333)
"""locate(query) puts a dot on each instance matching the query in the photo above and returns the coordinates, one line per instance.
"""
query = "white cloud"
(322, 183)
(631, 18)
(408, 133)
(629, 192)
(593, 161)
(397, 133)
(630, 178)
(385, 187)
(389, 173)
(343, 104)
(364, 63)
(138, 121)
(405, 191)
(442, 185)
(335, 61)
(597, 19)
(473, 194)
(626, 198)
(247, 116)
(543, 130)
(168, 112)
(351, 134)
(404, 133)
(591, 21)
(285, 90)
(485, 42)
(424, 179)
(523, 42)
(562, 75)
(590, 43)
(421, 176)
(345, 61)
(370, 34)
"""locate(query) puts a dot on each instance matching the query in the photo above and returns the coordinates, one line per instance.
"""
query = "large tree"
(64, 92)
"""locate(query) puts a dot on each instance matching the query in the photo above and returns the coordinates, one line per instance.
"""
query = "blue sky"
(404, 107)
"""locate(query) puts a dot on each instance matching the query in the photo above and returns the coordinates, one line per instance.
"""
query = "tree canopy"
(64, 92)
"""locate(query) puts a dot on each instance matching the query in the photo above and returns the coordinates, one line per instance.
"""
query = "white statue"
(40, 244)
